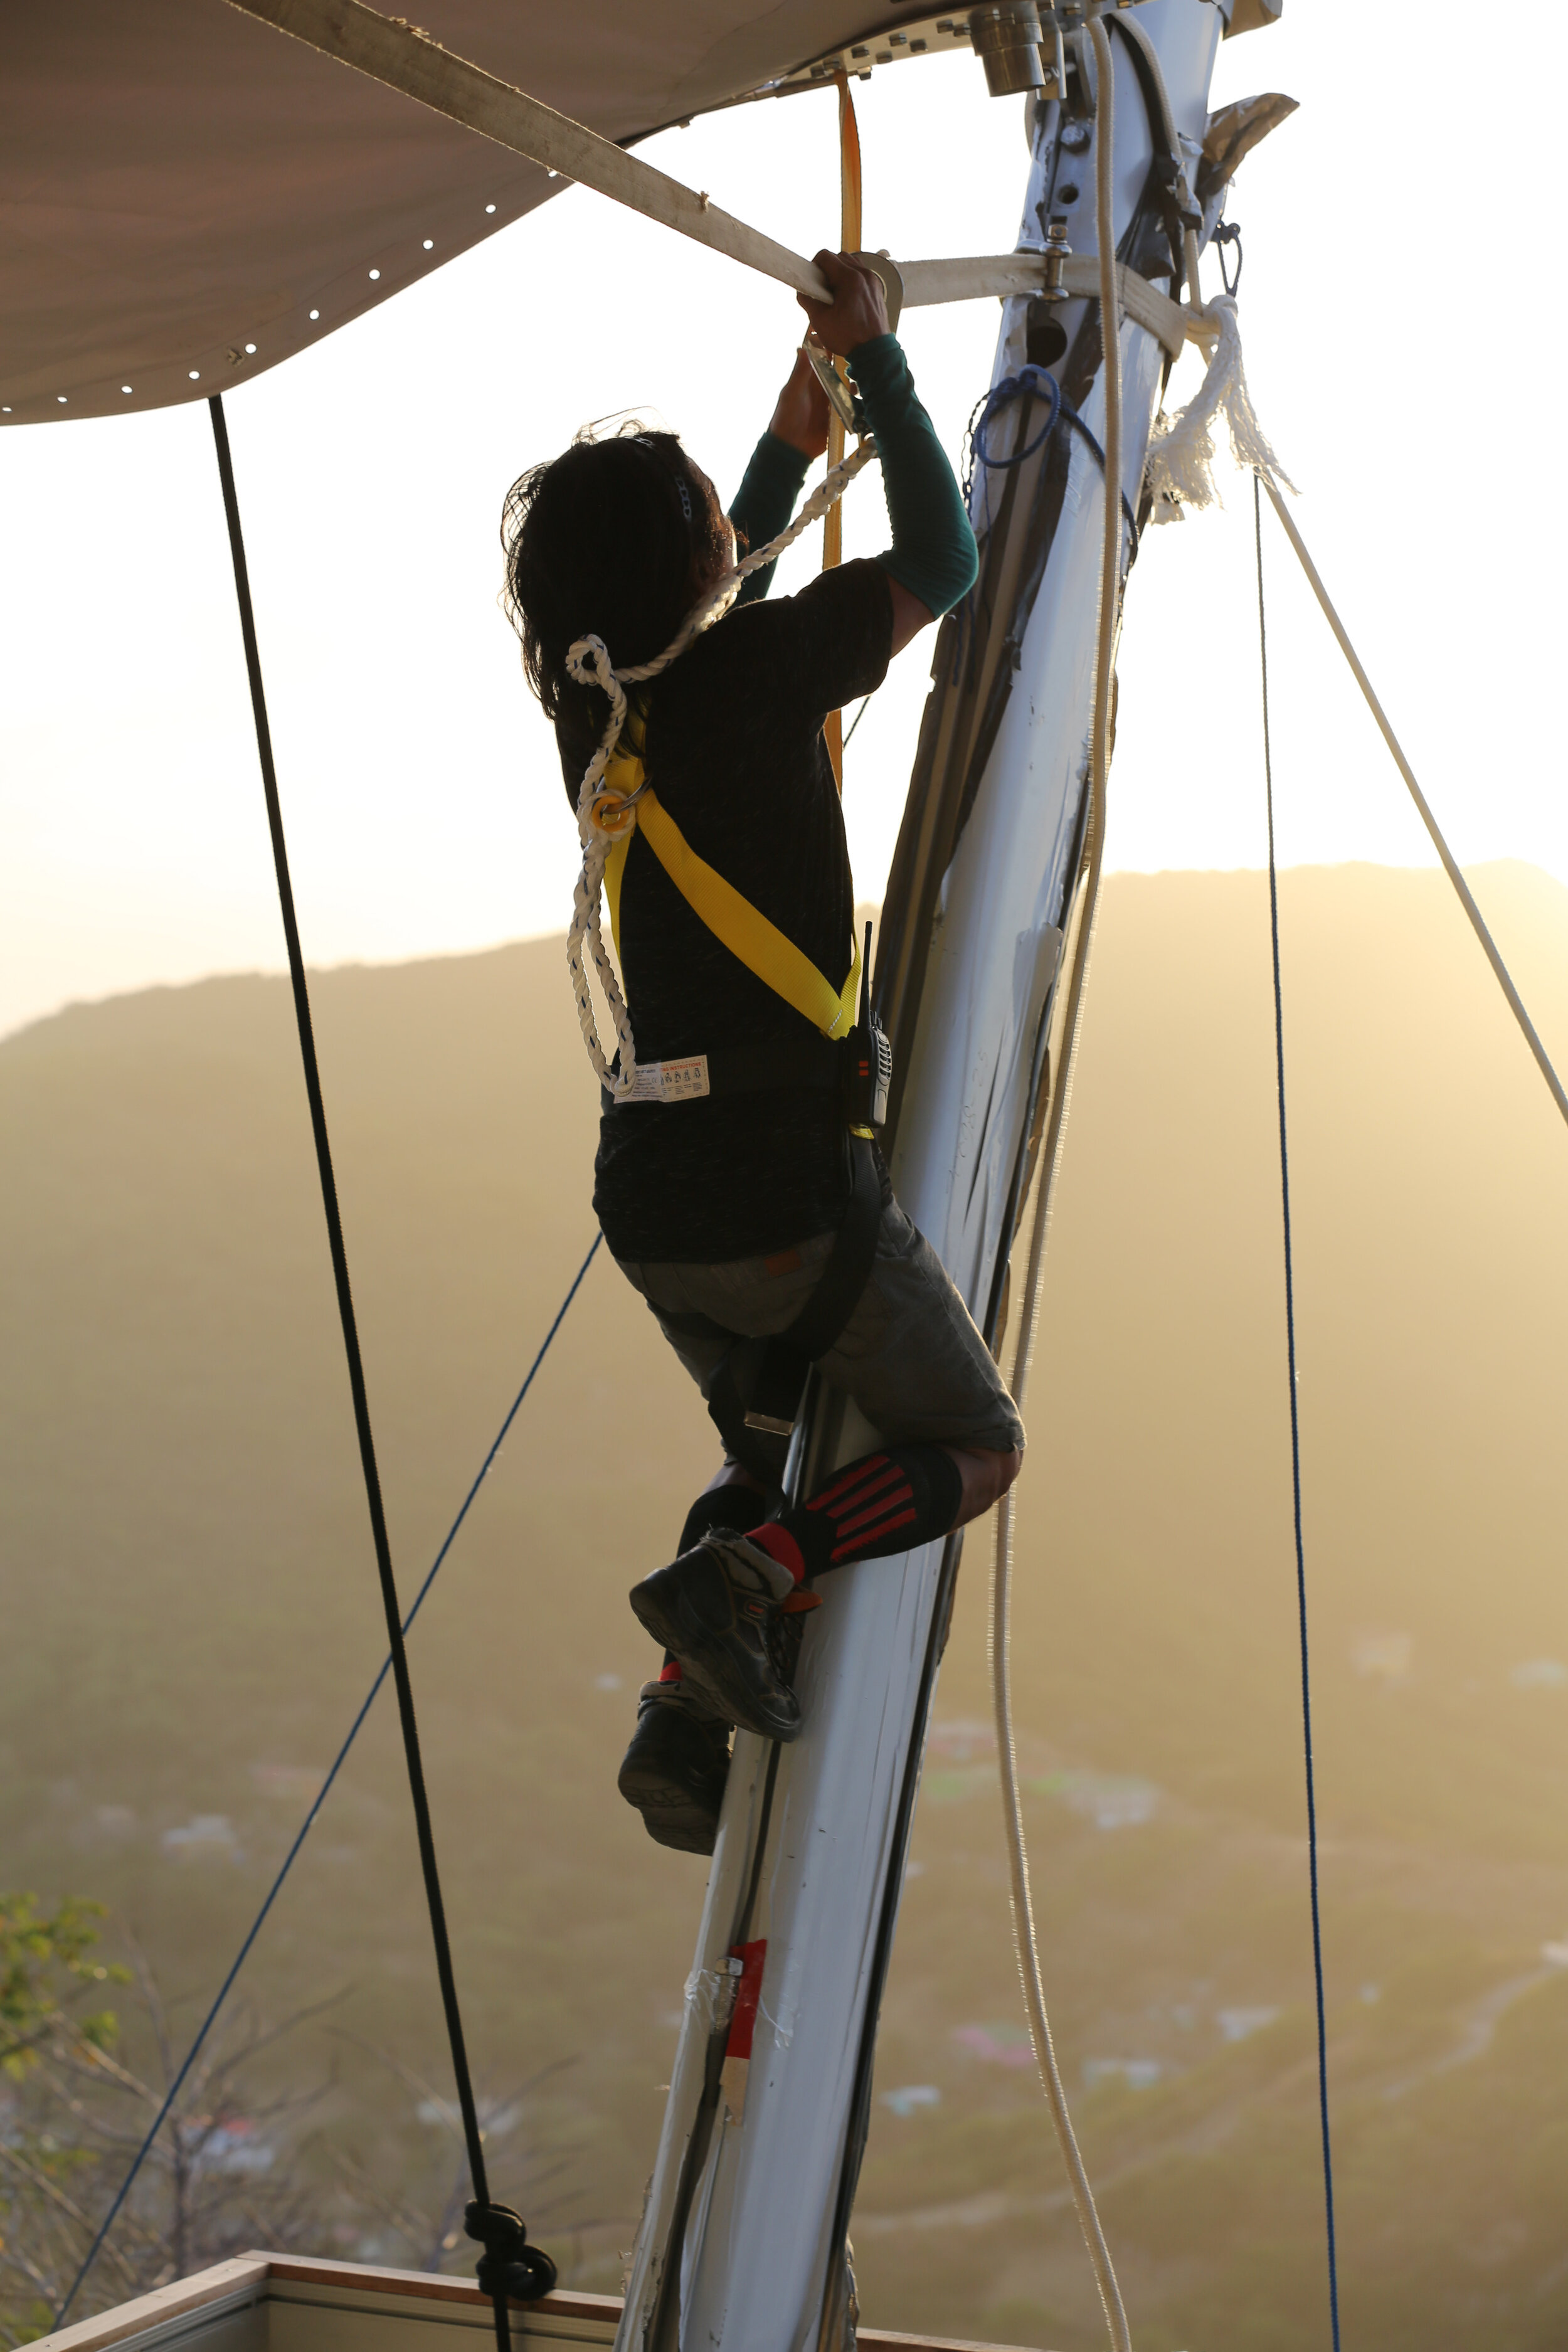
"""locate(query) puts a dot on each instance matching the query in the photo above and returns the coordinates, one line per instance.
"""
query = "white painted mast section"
(755, 2256)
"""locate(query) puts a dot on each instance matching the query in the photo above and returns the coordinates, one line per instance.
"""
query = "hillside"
(191, 1611)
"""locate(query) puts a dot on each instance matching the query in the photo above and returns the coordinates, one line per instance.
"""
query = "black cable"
(308, 1824)
(1071, 416)
(496, 2227)
(1296, 1448)
(859, 2124)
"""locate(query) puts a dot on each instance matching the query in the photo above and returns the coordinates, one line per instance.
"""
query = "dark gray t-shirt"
(734, 750)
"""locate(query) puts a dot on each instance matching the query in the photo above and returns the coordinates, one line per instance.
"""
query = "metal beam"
(405, 60)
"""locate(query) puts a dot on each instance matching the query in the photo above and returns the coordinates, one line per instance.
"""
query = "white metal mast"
(743, 2240)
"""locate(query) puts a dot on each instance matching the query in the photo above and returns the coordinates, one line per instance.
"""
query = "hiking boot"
(676, 1768)
(718, 1610)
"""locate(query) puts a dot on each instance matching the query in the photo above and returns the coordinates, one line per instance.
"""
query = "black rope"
(1228, 233)
(189, 2060)
(1071, 416)
(1296, 1448)
(496, 2227)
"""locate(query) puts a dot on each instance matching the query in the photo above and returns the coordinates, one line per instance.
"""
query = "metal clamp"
(1057, 254)
(839, 397)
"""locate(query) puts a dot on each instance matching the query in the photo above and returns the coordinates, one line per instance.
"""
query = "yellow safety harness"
(760, 945)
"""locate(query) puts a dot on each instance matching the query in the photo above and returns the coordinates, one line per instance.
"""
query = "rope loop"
(1033, 382)
(588, 661)
(605, 818)
(1037, 380)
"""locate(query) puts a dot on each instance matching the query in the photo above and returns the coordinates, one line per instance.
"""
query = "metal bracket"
(1058, 253)
(839, 397)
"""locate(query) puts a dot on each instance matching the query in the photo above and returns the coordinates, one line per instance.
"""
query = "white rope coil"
(1025, 1939)
(1182, 448)
(603, 818)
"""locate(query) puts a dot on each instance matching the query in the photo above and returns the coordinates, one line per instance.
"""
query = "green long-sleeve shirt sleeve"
(765, 503)
(933, 554)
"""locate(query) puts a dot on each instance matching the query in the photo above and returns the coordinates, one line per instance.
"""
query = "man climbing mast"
(747, 1201)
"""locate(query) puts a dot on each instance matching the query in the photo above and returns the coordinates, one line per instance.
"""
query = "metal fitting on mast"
(1057, 254)
(1006, 37)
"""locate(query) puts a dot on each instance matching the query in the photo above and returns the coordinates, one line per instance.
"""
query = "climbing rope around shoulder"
(605, 816)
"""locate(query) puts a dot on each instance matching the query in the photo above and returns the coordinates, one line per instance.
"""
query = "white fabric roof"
(179, 182)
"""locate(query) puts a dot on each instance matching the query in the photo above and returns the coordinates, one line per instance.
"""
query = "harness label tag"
(682, 1081)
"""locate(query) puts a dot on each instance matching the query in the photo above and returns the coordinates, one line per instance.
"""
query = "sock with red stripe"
(888, 1502)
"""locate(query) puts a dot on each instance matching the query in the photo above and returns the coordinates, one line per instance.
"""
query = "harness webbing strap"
(755, 1390)
(760, 945)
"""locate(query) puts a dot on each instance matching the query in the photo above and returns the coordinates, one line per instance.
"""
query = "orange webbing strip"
(849, 236)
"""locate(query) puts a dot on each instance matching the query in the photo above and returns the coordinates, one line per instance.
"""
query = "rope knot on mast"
(1182, 448)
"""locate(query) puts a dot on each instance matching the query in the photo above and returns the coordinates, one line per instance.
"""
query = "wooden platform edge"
(249, 2278)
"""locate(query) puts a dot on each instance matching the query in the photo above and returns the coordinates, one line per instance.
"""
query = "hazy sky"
(1400, 332)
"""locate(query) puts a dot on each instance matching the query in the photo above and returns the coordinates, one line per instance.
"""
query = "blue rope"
(1040, 382)
(1030, 382)
(1296, 1451)
(1037, 380)
(292, 1856)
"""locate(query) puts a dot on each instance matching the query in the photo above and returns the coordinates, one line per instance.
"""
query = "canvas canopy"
(188, 195)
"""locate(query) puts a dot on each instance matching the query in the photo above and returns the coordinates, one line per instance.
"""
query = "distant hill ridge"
(191, 1614)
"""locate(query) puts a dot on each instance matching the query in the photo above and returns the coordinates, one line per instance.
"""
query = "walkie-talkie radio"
(870, 1060)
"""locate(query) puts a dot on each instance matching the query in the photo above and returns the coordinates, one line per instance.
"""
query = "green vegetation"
(193, 1620)
(45, 1966)
(234, 2164)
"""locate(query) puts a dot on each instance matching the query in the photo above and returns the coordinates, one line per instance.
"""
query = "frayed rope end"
(1180, 472)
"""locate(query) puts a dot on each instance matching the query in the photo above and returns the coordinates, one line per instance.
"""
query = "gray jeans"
(910, 1355)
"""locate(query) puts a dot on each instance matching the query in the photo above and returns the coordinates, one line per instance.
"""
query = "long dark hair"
(610, 540)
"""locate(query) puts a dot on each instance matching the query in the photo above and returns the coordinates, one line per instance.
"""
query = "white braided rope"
(1182, 448)
(604, 818)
